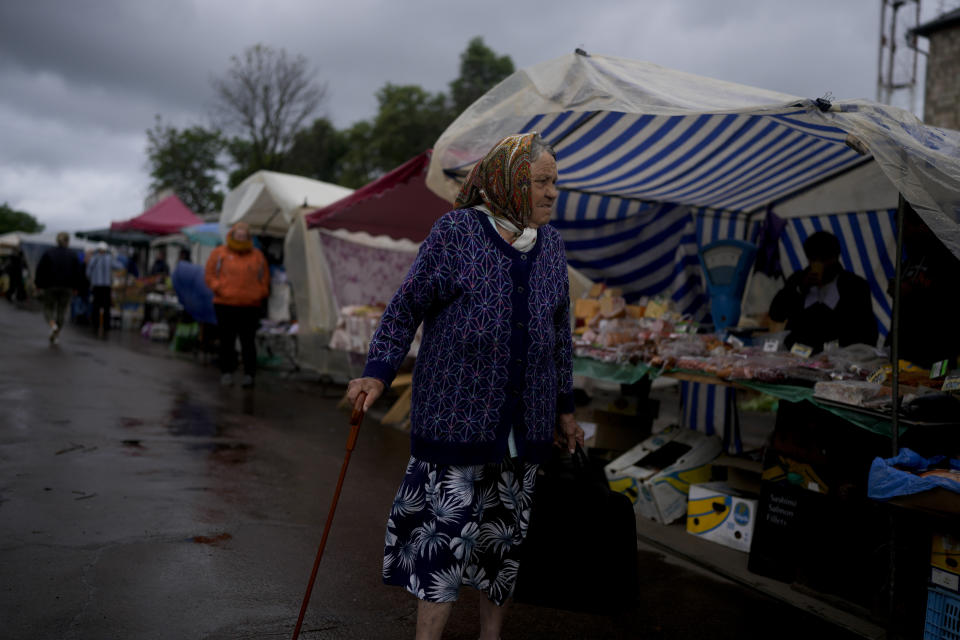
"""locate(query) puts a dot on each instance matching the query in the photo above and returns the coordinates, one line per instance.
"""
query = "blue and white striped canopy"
(728, 162)
(654, 163)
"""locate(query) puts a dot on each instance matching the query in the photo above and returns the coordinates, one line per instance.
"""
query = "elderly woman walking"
(492, 386)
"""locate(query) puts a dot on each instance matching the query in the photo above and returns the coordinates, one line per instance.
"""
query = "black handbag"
(580, 553)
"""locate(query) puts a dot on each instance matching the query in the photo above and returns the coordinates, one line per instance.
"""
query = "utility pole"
(894, 27)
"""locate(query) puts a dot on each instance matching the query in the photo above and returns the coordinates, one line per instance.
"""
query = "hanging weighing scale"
(726, 264)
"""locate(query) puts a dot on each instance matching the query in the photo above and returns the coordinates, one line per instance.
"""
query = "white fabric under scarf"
(827, 294)
(523, 243)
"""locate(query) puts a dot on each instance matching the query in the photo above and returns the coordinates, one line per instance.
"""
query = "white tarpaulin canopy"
(655, 163)
(268, 201)
(629, 132)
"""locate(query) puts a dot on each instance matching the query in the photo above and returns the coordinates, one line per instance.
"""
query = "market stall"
(346, 259)
(655, 164)
(352, 255)
(273, 204)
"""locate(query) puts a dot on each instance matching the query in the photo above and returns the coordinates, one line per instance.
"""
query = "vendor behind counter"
(824, 302)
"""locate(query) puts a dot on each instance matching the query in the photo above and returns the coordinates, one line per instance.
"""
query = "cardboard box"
(743, 474)
(622, 421)
(779, 468)
(657, 473)
(585, 308)
(721, 514)
(945, 561)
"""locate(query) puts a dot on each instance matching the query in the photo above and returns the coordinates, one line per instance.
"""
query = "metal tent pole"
(895, 328)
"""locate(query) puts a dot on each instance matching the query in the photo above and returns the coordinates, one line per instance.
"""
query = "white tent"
(34, 245)
(269, 201)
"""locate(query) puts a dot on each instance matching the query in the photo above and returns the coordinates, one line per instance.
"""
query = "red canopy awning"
(167, 216)
(398, 204)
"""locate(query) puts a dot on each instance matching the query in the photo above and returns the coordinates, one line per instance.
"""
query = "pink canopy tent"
(398, 205)
(169, 215)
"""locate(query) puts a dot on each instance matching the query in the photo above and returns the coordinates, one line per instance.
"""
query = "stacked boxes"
(945, 562)
(721, 514)
(657, 473)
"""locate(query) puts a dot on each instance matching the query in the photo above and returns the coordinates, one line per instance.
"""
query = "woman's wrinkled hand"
(569, 433)
(371, 386)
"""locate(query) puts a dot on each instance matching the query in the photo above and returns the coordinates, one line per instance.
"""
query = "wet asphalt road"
(140, 499)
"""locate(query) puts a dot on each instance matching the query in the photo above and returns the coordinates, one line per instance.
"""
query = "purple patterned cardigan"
(496, 350)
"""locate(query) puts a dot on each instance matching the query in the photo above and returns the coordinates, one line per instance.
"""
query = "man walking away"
(100, 274)
(58, 275)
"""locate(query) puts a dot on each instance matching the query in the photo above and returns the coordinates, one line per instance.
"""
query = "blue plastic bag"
(886, 481)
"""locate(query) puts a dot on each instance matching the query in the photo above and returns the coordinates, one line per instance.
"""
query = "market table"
(875, 421)
(910, 523)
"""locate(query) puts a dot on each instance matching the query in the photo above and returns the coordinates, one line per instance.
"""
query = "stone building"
(941, 103)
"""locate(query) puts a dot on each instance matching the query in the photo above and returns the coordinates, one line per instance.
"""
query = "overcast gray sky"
(81, 81)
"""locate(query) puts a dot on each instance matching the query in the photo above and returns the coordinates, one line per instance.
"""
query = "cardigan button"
(520, 325)
(523, 256)
(520, 289)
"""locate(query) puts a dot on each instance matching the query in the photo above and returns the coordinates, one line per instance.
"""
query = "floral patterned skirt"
(454, 525)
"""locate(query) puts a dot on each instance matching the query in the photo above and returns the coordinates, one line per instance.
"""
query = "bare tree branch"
(267, 96)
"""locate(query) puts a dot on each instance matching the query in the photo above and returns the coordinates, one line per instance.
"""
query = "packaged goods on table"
(356, 325)
(860, 393)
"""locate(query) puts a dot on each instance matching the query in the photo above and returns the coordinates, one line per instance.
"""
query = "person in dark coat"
(59, 274)
(823, 302)
(14, 269)
(160, 266)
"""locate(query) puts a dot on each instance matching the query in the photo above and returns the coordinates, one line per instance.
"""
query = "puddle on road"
(224, 452)
(192, 419)
(129, 423)
(134, 447)
(212, 540)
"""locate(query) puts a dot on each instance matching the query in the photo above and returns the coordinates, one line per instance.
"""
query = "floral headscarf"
(501, 181)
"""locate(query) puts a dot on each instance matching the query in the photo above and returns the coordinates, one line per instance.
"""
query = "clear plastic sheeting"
(628, 131)
(309, 279)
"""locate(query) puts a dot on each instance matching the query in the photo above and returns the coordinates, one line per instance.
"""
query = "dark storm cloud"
(115, 46)
(82, 81)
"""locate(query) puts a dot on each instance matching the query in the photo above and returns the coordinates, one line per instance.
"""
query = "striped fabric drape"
(729, 162)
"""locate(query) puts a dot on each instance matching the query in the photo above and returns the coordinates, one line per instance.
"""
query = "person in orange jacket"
(239, 277)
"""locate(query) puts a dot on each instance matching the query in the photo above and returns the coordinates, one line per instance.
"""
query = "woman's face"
(543, 189)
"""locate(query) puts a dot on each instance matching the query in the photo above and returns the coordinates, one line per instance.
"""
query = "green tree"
(480, 70)
(186, 161)
(409, 120)
(243, 161)
(265, 96)
(317, 152)
(359, 165)
(13, 220)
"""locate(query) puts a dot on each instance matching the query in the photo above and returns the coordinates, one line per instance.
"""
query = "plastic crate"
(943, 615)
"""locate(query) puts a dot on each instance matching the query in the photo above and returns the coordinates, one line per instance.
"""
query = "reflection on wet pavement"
(222, 537)
(225, 452)
(190, 418)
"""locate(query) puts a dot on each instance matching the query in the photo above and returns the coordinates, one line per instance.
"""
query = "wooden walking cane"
(355, 419)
